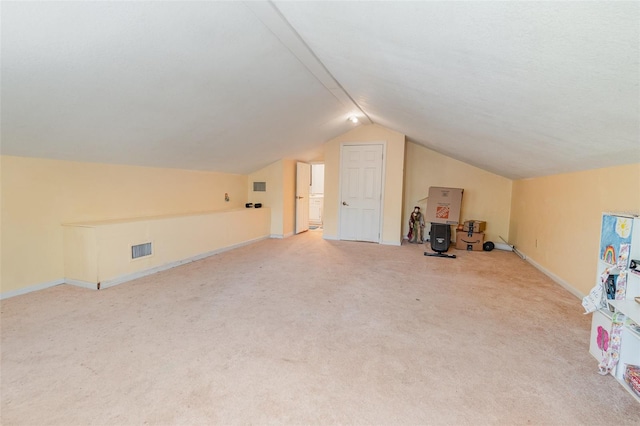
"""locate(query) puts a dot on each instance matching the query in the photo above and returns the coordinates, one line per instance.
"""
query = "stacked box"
(474, 225)
(443, 205)
(469, 240)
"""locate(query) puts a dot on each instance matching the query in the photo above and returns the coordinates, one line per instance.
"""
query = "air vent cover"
(260, 186)
(141, 250)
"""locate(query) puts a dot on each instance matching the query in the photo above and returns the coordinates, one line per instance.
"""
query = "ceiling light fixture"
(353, 119)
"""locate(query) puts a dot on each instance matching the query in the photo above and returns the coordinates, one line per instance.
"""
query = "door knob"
(344, 203)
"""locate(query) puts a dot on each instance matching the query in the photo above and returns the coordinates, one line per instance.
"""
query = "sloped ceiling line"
(187, 85)
(521, 89)
(272, 18)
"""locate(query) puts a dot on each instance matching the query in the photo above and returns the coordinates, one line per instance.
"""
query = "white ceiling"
(521, 89)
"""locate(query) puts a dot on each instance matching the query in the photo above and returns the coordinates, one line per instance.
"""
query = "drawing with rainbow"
(609, 255)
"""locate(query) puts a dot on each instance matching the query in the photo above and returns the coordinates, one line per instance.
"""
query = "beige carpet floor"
(308, 331)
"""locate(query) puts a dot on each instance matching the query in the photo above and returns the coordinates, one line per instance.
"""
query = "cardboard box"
(466, 241)
(474, 225)
(443, 205)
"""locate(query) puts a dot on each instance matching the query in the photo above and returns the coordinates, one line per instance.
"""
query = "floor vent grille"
(141, 250)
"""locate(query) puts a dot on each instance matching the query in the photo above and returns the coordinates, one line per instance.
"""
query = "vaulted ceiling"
(521, 89)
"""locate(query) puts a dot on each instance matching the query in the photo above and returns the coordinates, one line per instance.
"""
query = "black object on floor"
(440, 238)
(488, 246)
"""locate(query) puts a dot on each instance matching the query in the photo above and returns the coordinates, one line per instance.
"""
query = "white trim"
(301, 227)
(35, 287)
(330, 237)
(83, 284)
(383, 184)
(281, 236)
(391, 243)
(555, 278)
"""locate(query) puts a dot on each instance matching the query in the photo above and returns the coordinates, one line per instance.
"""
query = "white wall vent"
(141, 250)
(259, 186)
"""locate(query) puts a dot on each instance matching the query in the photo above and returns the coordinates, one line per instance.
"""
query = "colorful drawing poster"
(615, 238)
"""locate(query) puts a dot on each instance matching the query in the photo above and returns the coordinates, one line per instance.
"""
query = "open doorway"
(316, 196)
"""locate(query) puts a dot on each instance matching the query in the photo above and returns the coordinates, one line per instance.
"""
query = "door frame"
(297, 228)
(315, 163)
(382, 184)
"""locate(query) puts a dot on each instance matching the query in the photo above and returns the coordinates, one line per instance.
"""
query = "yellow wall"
(393, 183)
(279, 196)
(39, 195)
(273, 175)
(486, 196)
(100, 251)
(555, 220)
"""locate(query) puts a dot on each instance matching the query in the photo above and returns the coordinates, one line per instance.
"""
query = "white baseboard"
(83, 284)
(25, 290)
(140, 274)
(329, 237)
(128, 277)
(281, 236)
(555, 278)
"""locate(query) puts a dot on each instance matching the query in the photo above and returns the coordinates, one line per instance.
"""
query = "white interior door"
(361, 192)
(303, 180)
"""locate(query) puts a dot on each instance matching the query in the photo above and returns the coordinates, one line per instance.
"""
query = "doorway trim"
(382, 184)
(316, 163)
(303, 177)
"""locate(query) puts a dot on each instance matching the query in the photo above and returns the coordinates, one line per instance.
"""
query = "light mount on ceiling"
(353, 119)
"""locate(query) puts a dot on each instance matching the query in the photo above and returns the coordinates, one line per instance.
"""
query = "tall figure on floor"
(416, 226)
